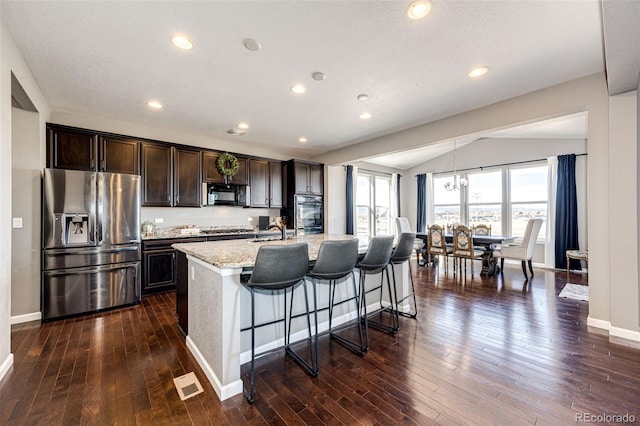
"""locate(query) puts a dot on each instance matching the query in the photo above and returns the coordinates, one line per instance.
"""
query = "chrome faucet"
(281, 224)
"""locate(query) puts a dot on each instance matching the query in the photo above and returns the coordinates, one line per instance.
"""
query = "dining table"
(489, 242)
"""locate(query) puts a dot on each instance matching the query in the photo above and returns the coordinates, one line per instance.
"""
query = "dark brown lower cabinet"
(159, 269)
(182, 292)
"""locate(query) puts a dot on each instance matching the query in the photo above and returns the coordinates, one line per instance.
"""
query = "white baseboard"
(223, 392)
(6, 365)
(18, 319)
(619, 334)
(598, 323)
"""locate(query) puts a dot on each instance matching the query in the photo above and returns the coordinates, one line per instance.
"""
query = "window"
(446, 203)
(485, 199)
(373, 202)
(528, 198)
(505, 198)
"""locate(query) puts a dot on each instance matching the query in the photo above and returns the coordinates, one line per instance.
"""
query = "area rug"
(575, 291)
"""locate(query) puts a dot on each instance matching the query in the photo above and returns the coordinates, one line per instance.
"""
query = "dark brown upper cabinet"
(71, 149)
(157, 177)
(210, 173)
(119, 155)
(266, 183)
(308, 177)
(76, 149)
(171, 176)
(187, 183)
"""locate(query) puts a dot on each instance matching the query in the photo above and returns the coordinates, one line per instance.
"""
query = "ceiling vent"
(237, 132)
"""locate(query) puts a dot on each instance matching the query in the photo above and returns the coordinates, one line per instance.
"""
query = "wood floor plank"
(481, 351)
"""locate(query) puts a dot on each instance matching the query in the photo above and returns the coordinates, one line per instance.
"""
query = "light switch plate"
(159, 220)
(17, 222)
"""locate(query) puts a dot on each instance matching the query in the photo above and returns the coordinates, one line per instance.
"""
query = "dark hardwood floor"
(486, 351)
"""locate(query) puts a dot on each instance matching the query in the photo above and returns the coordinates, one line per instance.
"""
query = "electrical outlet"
(159, 220)
(193, 273)
(17, 222)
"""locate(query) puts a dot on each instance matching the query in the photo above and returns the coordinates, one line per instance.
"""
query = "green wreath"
(227, 164)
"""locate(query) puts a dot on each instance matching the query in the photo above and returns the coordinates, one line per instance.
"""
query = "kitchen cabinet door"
(159, 271)
(301, 174)
(71, 149)
(157, 177)
(210, 173)
(187, 184)
(258, 170)
(275, 185)
(119, 155)
(316, 182)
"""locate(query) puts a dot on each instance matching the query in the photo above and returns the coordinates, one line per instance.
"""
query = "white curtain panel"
(394, 205)
(431, 214)
(552, 185)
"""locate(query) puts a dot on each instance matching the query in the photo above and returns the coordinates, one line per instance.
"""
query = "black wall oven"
(309, 211)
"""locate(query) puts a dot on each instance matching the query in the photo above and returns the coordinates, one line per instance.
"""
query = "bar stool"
(376, 260)
(402, 254)
(280, 268)
(336, 260)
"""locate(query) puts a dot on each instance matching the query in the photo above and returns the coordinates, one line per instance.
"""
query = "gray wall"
(25, 204)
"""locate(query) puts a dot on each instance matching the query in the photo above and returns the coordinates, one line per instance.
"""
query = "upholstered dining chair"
(482, 229)
(436, 244)
(403, 227)
(524, 251)
(463, 248)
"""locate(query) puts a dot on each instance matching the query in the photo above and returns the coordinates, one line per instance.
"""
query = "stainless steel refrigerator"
(90, 241)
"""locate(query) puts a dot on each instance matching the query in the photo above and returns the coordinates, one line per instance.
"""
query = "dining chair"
(463, 248)
(402, 225)
(278, 269)
(523, 251)
(437, 245)
(482, 229)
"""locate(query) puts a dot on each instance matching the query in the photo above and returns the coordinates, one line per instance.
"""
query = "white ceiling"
(109, 58)
(572, 126)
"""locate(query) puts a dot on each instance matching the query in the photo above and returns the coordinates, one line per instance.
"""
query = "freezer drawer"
(82, 290)
(89, 256)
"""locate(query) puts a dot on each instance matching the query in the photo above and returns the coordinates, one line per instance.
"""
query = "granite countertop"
(231, 254)
(177, 233)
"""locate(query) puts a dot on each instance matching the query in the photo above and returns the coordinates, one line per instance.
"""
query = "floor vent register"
(187, 386)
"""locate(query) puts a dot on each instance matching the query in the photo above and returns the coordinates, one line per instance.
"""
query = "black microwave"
(225, 195)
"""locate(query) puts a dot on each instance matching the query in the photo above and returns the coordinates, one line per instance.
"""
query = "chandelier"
(458, 182)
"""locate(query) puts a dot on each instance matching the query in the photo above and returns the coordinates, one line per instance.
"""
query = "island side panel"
(214, 325)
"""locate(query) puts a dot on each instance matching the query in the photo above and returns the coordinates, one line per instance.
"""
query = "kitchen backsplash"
(205, 216)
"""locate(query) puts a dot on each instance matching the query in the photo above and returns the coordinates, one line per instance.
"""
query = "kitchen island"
(218, 305)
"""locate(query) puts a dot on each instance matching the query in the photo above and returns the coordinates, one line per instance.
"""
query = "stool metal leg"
(393, 328)
(311, 369)
(357, 348)
(409, 314)
(252, 393)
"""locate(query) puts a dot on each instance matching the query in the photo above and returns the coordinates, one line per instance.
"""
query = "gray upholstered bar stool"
(376, 260)
(278, 268)
(336, 260)
(401, 254)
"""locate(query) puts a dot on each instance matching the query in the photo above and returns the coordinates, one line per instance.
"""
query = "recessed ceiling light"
(182, 42)
(251, 44)
(478, 71)
(237, 132)
(363, 97)
(419, 9)
(154, 104)
(318, 76)
(302, 140)
(365, 116)
(298, 89)
(243, 126)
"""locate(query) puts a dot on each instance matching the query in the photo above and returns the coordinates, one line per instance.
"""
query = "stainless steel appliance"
(90, 241)
(309, 213)
(225, 195)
